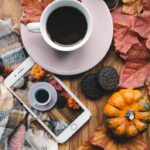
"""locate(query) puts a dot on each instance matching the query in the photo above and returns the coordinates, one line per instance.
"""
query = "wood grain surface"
(13, 8)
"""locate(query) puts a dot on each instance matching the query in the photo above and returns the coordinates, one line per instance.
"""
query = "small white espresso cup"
(41, 26)
(33, 94)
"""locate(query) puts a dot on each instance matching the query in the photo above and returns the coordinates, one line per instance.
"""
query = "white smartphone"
(54, 106)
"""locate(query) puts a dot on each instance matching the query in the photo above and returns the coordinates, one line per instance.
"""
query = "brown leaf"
(88, 146)
(103, 139)
(128, 1)
(133, 8)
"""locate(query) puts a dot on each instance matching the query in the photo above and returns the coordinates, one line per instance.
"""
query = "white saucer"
(81, 60)
(49, 87)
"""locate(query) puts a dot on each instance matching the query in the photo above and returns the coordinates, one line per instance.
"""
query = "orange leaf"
(128, 1)
(33, 9)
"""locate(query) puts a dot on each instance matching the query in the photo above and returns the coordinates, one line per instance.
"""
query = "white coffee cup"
(47, 101)
(41, 26)
(35, 89)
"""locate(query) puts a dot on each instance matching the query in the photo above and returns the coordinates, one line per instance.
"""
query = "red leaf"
(124, 37)
(33, 10)
(132, 40)
(136, 71)
(122, 19)
(134, 74)
(137, 53)
(142, 23)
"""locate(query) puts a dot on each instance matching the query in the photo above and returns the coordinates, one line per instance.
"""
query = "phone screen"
(47, 98)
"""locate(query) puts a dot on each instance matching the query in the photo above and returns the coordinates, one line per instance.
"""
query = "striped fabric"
(12, 53)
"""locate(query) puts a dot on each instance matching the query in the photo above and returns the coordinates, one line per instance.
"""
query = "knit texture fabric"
(12, 112)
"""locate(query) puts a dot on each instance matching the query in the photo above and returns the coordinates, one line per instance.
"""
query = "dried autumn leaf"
(136, 71)
(133, 54)
(122, 19)
(33, 10)
(133, 8)
(128, 1)
(103, 139)
(88, 146)
(146, 4)
(124, 37)
(135, 76)
(142, 23)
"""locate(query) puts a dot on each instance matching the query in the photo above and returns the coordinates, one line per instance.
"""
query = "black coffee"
(66, 26)
(42, 96)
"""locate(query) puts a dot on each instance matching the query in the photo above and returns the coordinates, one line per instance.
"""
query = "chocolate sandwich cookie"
(90, 87)
(108, 78)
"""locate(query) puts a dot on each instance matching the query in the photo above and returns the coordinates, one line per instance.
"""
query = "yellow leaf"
(128, 1)
(133, 8)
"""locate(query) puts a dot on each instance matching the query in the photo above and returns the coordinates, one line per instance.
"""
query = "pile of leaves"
(132, 42)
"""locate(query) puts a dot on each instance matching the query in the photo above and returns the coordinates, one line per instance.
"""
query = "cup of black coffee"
(65, 25)
(40, 94)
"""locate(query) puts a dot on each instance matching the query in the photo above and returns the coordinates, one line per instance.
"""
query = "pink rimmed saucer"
(81, 60)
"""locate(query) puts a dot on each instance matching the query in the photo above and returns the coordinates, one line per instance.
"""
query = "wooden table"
(13, 8)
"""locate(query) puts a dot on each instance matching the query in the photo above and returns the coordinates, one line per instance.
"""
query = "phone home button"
(73, 126)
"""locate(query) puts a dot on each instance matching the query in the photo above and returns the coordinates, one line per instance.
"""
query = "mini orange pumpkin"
(37, 72)
(72, 104)
(127, 113)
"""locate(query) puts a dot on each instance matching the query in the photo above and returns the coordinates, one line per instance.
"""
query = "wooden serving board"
(13, 8)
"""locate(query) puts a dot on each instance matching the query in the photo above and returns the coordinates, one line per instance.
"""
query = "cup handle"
(34, 27)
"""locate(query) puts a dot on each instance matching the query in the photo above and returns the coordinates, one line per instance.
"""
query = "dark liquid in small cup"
(66, 26)
(42, 96)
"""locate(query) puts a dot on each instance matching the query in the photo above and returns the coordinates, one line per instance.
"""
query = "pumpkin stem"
(130, 115)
